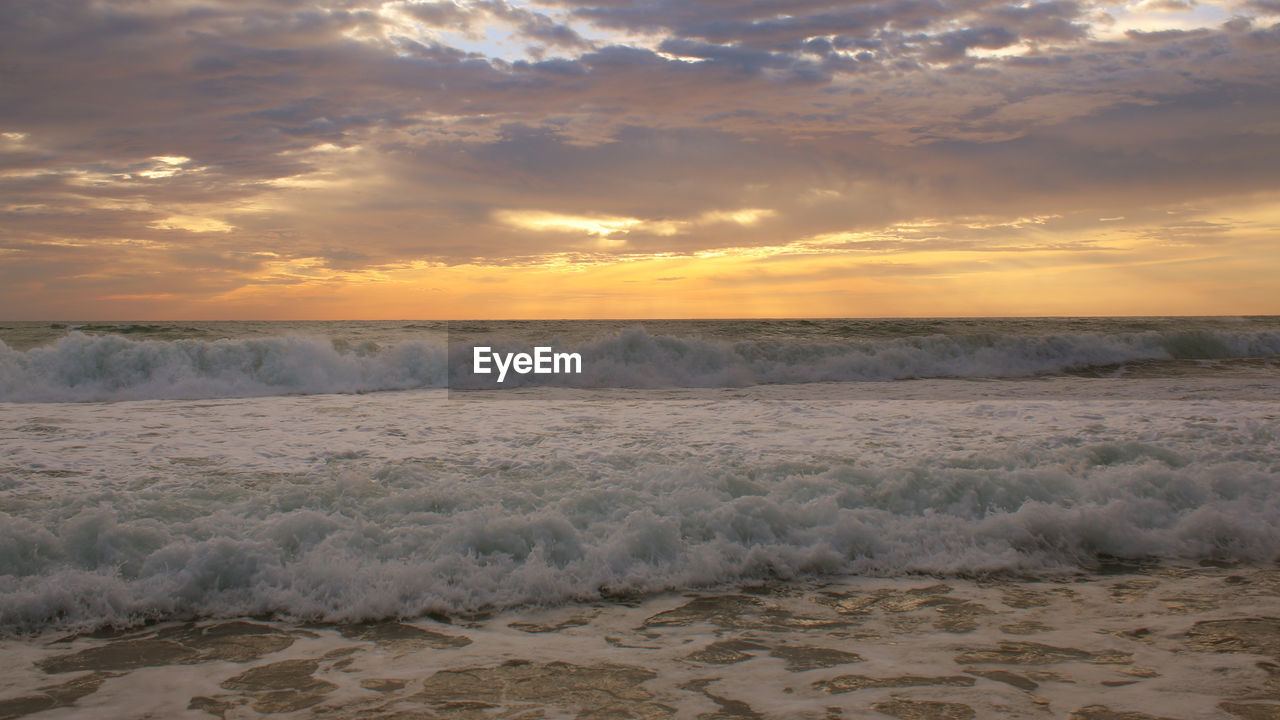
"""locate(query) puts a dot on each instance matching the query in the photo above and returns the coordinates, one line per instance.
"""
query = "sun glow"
(192, 223)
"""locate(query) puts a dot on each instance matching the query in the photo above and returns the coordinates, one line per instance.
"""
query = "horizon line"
(656, 319)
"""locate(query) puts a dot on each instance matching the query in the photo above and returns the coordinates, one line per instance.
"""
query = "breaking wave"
(363, 540)
(80, 367)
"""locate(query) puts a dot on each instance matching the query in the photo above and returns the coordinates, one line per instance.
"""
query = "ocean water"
(326, 470)
(70, 362)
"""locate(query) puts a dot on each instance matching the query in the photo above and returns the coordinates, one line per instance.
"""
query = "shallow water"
(1159, 642)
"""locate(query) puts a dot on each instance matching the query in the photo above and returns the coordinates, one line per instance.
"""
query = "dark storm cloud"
(365, 135)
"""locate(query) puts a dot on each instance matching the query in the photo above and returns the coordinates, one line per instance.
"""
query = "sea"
(340, 472)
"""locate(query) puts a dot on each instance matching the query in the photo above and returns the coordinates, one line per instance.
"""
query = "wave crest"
(407, 538)
(80, 367)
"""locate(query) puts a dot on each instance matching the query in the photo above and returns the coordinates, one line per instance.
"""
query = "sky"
(276, 159)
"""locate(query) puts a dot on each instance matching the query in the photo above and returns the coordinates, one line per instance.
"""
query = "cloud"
(362, 137)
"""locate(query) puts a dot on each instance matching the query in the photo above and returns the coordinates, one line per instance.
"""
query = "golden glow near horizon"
(818, 277)
(568, 159)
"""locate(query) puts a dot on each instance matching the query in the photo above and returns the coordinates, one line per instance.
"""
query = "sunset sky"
(272, 159)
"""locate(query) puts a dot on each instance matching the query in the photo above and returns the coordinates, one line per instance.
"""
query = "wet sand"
(1132, 644)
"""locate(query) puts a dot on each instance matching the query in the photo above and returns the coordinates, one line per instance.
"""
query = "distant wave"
(80, 367)
(634, 358)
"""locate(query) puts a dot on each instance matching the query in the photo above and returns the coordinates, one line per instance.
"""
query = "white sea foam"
(80, 367)
(354, 507)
